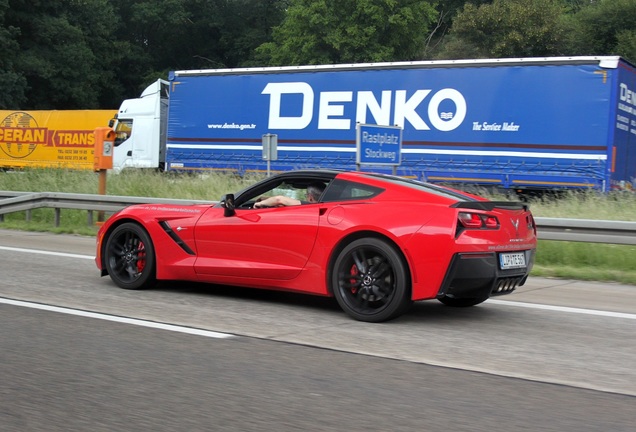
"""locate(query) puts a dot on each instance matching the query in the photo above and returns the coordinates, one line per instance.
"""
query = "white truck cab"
(140, 128)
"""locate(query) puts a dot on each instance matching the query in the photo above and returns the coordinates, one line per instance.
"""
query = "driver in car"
(314, 191)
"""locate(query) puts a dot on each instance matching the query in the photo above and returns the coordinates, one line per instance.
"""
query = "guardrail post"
(90, 218)
(57, 217)
(28, 215)
(102, 191)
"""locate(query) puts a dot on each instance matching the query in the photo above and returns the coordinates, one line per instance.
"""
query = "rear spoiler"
(489, 205)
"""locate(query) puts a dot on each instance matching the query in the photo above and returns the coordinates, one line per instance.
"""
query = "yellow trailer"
(59, 139)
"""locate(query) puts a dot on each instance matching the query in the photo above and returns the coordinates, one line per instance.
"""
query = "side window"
(295, 189)
(287, 190)
(123, 131)
(284, 191)
(340, 190)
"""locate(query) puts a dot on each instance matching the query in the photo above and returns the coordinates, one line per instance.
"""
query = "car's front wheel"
(129, 257)
(370, 280)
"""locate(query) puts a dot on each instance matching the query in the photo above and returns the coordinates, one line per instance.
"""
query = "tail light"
(531, 224)
(475, 221)
(469, 220)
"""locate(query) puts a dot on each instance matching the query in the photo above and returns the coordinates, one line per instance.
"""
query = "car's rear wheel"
(370, 280)
(129, 257)
(461, 302)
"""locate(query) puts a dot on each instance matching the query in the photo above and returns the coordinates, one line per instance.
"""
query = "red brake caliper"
(141, 257)
(353, 272)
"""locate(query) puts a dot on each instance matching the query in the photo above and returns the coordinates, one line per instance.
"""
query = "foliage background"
(89, 54)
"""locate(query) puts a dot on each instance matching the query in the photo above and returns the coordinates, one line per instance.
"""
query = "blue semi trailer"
(524, 124)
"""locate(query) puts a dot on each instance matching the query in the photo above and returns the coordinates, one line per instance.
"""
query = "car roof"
(369, 177)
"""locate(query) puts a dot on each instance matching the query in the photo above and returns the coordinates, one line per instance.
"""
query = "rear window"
(340, 190)
(422, 186)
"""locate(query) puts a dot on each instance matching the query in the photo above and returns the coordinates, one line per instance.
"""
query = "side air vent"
(173, 235)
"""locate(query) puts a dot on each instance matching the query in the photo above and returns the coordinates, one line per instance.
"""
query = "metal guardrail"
(11, 202)
(587, 230)
(578, 230)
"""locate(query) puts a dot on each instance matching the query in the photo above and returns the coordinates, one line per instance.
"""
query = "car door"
(268, 243)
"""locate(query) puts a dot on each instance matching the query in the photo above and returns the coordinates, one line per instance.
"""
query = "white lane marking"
(132, 321)
(563, 309)
(43, 252)
(491, 301)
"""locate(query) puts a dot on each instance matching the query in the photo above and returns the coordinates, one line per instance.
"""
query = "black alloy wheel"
(129, 257)
(370, 280)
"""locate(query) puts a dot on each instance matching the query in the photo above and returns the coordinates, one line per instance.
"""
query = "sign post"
(378, 145)
(270, 149)
(103, 159)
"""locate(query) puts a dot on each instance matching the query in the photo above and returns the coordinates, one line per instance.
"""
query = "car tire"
(370, 280)
(461, 302)
(129, 257)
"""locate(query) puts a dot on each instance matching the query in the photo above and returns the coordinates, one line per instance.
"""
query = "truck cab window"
(123, 131)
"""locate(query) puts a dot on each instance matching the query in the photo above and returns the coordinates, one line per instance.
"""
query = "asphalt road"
(557, 355)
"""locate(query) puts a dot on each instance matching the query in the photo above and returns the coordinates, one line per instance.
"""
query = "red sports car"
(374, 242)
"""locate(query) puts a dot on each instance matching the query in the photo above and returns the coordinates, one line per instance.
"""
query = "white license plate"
(512, 260)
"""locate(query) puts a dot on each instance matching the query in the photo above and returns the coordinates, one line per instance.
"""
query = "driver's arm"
(277, 201)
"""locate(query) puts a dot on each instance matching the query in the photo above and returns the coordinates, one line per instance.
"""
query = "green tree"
(12, 82)
(60, 47)
(249, 26)
(626, 44)
(446, 12)
(165, 35)
(604, 27)
(225, 33)
(507, 28)
(348, 31)
(146, 35)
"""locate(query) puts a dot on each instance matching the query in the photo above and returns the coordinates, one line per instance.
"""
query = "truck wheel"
(129, 257)
(370, 281)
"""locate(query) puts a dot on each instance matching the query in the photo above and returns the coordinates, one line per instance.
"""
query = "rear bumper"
(477, 275)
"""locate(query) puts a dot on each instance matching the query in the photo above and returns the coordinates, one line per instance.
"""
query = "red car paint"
(436, 242)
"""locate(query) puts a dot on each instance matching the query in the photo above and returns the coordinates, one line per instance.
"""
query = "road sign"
(378, 145)
(270, 147)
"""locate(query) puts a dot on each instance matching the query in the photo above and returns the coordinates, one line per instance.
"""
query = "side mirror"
(227, 202)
